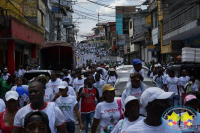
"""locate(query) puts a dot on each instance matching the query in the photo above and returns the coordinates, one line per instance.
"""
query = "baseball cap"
(42, 117)
(136, 61)
(65, 78)
(62, 85)
(11, 95)
(128, 99)
(189, 98)
(99, 68)
(112, 69)
(152, 94)
(108, 87)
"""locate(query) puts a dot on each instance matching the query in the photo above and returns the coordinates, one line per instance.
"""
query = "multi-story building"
(20, 37)
(122, 29)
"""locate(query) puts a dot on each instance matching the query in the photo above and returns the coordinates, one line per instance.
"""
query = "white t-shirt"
(57, 120)
(23, 98)
(2, 106)
(71, 91)
(134, 71)
(53, 86)
(172, 84)
(99, 85)
(193, 87)
(66, 105)
(48, 97)
(17, 74)
(141, 127)
(5, 77)
(159, 81)
(77, 83)
(137, 93)
(183, 81)
(121, 128)
(165, 78)
(111, 80)
(108, 113)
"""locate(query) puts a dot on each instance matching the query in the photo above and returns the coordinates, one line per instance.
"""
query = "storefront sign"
(155, 36)
(121, 40)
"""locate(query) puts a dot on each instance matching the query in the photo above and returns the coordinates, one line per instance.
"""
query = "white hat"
(112, 69)
(99, 68)
(153, 93)
(11, 95)
(62, 85)
(128, 99)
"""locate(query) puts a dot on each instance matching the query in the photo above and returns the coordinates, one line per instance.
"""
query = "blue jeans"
(86, 119)
(70, 126)
(174, 100)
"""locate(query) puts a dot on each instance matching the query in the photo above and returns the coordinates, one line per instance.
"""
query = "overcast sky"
(86, 13)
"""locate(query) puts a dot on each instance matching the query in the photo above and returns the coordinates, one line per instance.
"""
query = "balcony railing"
(181, 19)
(8, 12)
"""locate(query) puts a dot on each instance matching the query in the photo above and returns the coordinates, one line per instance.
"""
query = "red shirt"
(88, 101)
(3, 127)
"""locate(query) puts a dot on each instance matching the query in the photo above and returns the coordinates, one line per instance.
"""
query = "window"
(131, 25)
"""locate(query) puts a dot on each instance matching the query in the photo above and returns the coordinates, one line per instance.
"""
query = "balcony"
(181, 18)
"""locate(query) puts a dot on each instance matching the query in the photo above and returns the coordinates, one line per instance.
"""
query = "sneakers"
(89, 126)
(77, 122)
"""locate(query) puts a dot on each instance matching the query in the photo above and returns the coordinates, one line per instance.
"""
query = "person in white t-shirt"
(78, 82)
(36, 97)
(23, 99)
(17, 74)
(159, 79)
(48, 97)
(53, 83)
(2, 105)
(99, 85)
(71, 90)
(172, 86)
(137, 67)
(112, 77)
(134, 88)
(5, 75)
(68, 105)
(106, 112)
(191, 87)
(156, 102)
(183, 80)
(132, 109)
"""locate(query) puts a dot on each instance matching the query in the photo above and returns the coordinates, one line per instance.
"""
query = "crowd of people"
(49, 104)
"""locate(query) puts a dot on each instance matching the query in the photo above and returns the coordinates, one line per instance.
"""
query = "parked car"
(35, 73)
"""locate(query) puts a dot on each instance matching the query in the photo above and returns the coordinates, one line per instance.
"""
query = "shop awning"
(139, 39)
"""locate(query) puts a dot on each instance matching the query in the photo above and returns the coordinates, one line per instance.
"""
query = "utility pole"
(98, 16)
(58, 26)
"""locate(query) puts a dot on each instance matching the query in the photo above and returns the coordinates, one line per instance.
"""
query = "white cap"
(128, 99)
(99, 68)
(62, 85)
(112, 69)
(153, 93)
(11, 95)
